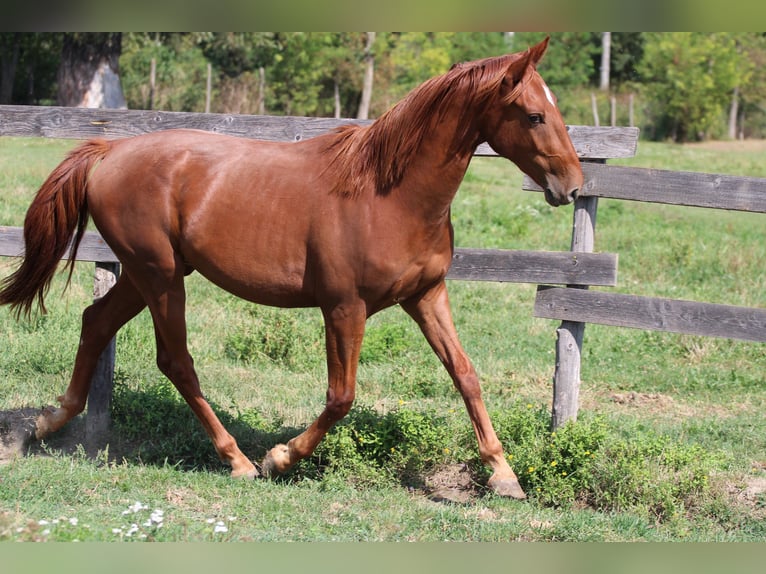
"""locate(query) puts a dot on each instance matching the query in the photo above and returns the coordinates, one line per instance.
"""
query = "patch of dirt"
(634, 399)
(752, 491)
(452, 483)
(17, 428)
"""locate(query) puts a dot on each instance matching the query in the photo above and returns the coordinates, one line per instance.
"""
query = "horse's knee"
(338, 405)
(180, 370)
(468, 386)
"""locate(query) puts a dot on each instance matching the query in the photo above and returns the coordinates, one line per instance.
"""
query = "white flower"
(220, 527)
(136, 507)
(73, 521)
(43, 522)
(157, 516)
(116, 530)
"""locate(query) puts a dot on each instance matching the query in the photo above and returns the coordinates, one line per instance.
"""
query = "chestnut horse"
(352, 222)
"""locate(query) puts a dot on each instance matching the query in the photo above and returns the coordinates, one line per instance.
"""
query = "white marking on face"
(548, 95)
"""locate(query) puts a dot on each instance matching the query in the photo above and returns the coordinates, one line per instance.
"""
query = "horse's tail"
(56, 218)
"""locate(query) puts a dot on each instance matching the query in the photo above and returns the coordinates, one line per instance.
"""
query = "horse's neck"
(436, 172)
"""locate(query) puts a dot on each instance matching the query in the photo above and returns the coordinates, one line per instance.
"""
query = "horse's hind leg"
(167, 305)
(100, 322)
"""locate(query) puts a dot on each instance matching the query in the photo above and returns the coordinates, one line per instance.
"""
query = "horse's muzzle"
(556, 199)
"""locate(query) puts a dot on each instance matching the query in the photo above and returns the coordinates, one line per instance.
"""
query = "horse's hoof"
(276, 461)
(42, 424)
(507, 487)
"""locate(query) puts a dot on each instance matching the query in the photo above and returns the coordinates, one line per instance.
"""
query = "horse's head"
(523, 124)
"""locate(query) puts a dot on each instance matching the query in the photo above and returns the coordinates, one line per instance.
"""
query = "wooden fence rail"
(577, 306)
(574, 271)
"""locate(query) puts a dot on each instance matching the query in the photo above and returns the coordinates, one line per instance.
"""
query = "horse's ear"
(516, 75)
(537, 51)
(519, 70)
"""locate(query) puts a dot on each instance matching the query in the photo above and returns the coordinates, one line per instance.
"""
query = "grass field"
(670, 443)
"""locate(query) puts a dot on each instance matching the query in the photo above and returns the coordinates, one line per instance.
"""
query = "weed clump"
(585, 462)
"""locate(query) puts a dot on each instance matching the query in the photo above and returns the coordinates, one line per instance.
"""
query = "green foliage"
(651, 474)
(401, 443)
(289, 337)
(684, 81)
(181, 71)
(385, 342)
(37, 53)
(689, 78)
(568, 62)
(585, 462)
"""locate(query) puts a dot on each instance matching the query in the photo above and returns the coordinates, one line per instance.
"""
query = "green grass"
(670, 427)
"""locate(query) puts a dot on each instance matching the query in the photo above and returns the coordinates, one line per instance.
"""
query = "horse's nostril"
(573, 195)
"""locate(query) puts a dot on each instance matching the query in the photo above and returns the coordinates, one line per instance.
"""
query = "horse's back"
(242, 212)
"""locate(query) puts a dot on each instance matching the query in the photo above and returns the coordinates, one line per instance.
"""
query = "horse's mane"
(378, 154)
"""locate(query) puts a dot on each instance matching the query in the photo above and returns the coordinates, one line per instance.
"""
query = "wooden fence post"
(569, 336)
(98, 416)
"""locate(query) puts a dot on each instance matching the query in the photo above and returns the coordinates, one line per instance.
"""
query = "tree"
(568, 62)
(28, 66)
(605, 68)
(89, 72)
(747, 115)
(369, 71)
(10, 50)
(689, 78)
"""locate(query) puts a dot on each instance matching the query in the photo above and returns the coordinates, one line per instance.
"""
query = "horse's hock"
(564, 278)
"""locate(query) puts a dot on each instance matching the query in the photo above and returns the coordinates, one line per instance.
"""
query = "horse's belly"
(272, 288)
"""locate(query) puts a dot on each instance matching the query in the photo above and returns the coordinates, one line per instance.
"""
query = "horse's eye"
(536, 119)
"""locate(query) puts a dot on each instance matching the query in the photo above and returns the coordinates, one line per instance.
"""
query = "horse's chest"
(398, 280)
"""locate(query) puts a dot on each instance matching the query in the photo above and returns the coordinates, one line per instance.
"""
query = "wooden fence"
(573, 271)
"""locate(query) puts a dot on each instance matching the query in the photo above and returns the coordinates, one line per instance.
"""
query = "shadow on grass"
(154, 426)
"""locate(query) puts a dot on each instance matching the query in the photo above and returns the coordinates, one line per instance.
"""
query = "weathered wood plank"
(570, 334)
(11, 241)
(562, 268)
(83, 123)
(604, 142)
(671, 187)
(653, 313)
(92, 248)
(468, 264)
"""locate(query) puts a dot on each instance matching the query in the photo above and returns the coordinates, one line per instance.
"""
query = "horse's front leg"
(431, 311)
(344, 330)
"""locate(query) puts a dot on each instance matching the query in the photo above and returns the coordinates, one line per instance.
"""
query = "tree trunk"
(606, 49)
(336, 98)
(89, 73)
(261, 91)
(8, 63)
(369, 71)
(733, 113)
